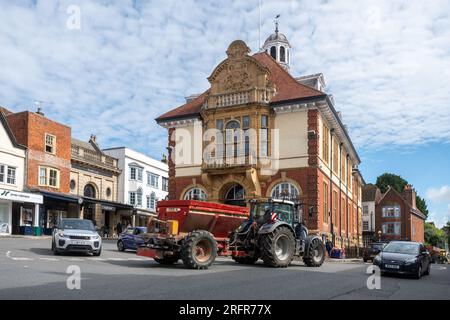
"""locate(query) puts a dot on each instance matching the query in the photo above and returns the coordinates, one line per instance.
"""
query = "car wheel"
(419, 273)
(120, 245)
(54, 249)
(97, 253)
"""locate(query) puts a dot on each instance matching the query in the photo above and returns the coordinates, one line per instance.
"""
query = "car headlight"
(62, 235)
(96, 237)
(411, 261)
(377, 258)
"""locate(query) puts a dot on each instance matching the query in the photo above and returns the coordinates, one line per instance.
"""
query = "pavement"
(29, 270)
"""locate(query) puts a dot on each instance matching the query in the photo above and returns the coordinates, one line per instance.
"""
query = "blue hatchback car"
(131, 239)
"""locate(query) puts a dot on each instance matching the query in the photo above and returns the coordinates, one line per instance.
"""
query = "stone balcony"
(239, 98)
(93, 158)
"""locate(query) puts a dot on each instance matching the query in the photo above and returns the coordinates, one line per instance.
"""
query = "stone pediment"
(239, 72)
(239, 79)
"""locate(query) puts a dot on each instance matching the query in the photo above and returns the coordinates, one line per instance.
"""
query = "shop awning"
(59, 196)
(145, 213)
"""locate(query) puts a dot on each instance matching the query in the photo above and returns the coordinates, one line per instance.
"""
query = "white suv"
(76, 235)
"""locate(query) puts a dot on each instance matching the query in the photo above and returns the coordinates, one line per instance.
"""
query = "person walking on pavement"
(329, 247)
(119, 228)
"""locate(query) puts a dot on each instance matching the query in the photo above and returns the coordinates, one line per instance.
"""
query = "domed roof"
(277, 37)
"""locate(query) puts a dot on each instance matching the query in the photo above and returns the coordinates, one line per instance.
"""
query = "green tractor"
(275, 233)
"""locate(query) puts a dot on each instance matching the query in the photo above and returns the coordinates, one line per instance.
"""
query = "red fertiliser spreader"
(193, 231)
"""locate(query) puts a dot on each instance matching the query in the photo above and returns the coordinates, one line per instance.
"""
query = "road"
(29, 270)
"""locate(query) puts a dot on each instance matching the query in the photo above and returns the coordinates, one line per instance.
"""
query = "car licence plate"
(392, 266)
(81, 243)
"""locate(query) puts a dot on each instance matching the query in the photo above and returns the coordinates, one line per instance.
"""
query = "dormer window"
(50, 143)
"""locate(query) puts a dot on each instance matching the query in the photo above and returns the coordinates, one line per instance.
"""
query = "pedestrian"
(119, 228)
(329, 247)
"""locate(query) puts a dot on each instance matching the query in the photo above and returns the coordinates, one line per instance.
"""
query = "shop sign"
(108, 208)
(21, 196)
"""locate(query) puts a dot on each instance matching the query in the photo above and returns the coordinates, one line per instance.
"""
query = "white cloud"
(387, 63)
(440, 219)
(439, 195)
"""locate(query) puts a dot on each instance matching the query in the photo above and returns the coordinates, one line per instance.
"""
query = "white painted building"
(18, 209)
(370, 197)
(142, 183)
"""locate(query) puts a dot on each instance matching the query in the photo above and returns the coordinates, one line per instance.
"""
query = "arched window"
(236, 192)
(139, 197)
(273, 52)
(282, 54)
(89, 191)
(233, 125)
(285, 190)
(195, 194)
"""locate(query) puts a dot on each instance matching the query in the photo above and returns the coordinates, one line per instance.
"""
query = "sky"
(110, 67)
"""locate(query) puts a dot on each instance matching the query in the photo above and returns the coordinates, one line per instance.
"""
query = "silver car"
(76, 235)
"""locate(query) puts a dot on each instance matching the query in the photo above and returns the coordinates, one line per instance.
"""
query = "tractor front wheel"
(277, 248)
(199, 250)
(315, 253)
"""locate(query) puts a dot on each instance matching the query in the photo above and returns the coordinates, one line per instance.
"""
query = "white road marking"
(49, 259)
(8, 255)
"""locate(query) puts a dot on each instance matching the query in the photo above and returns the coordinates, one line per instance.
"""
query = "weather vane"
(276, 22)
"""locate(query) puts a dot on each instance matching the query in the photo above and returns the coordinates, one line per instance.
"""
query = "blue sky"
(387, 63)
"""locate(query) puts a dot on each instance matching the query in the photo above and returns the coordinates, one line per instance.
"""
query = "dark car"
(372, 250)
(131, 238)
(404, 257)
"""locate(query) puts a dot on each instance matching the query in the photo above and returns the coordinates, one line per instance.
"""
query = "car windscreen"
(403, 248)
(377, 246)
(76, 224)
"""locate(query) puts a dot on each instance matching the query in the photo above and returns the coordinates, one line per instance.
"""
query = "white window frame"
(53, 145)
(396, 209)
(190, 194)
(165, 184)
(5, 175)
(277, 189)
(47, 177)
(130, 195)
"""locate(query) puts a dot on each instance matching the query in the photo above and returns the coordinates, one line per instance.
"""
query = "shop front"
(19, 212)
(106, 215)
(57, 206)
(141, 217)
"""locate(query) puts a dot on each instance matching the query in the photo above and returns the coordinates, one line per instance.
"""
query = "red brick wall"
(407, 219)
(30, 129)
(417, 229)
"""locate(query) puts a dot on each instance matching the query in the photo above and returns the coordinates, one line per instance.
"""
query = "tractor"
(275, 234)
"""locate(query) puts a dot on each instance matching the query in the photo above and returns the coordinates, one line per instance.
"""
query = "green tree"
(434, 236)
(398, 183)
(390, 179)
(421, 205)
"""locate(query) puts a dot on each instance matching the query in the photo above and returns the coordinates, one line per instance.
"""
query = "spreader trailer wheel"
(199, 250)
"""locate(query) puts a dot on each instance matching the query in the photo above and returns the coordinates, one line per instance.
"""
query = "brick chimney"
(409, 194)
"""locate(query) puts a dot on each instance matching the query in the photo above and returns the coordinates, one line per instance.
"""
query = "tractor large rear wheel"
(199, 250)
(277, 248)
(315, 253)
